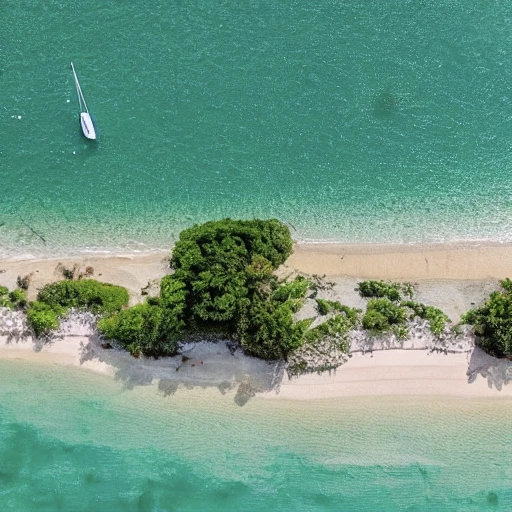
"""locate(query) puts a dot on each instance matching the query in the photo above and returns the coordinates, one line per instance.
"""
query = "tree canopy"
(219, 263)
(222, 270)
(492, 322)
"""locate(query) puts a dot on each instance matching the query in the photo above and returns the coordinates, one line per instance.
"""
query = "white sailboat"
(85, 118)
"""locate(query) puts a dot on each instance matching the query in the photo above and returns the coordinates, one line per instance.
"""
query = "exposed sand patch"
(404, 262)
(405, 372)
(453, 278)
(134, 272)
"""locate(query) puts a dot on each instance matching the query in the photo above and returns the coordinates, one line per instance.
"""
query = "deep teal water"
(360, 121)
(107, 448)
(374, 121)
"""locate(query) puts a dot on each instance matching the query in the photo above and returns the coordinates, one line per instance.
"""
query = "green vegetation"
(382, 315)
(87, 294)
(326, 345)
(222, 283)
(56, 298)
(388, 312)
(4, 297)
(221, 263)
(492, 322)
(43, 318)
(266, 327)
(435, 317)
(381, 289)
(18, 298)
(14, 300)
(325, 307)
(143, 329)
(337, 327)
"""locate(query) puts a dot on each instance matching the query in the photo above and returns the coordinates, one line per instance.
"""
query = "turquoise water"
(360, 121)
(108, 448)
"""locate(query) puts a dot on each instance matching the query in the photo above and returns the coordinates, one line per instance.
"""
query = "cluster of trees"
(492, 322)
(224, 285)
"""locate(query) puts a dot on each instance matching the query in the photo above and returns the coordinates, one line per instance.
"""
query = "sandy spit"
(453, 277)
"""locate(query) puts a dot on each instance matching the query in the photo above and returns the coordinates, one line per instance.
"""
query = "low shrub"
(294, 290)
(327, 306)
(266, 328)
(379, 289)
(86, 294)
(15, 299)
(435, 317)
(5, 301)
(147, 329)
(272, 333)
(382, 314)
(43, 317)
(18, 298)
(400, 331)
(337, 327)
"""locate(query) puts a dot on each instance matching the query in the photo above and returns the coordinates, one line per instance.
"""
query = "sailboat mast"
(79, 92)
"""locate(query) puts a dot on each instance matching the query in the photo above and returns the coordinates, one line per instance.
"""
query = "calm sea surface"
(360, 121)
(107, 448)
(355, 121)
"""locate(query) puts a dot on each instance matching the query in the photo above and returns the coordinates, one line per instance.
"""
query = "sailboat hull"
(87, 125)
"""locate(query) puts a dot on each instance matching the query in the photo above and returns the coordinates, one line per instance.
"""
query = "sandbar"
(454, 277)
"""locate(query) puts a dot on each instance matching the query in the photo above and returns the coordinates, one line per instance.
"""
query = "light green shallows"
(73, 440)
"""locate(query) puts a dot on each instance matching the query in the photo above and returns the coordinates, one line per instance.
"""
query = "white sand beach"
(453, 278)
(381, 373)
(405, 262)
(404, 372)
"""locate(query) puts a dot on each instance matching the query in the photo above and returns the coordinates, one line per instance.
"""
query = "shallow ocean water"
(363, 121)
(109, 447)
(353, 121)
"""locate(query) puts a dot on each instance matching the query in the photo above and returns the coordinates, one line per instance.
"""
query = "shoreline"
(457, 261)
(451, 277)
(409, 372)
(388, 372)
(453, 260)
